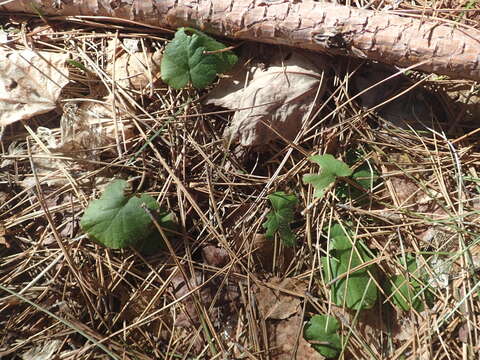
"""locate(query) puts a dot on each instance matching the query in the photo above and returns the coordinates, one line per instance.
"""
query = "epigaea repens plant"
(118, 220)
(407, 289)
(322, 332)
(196, 58)
(280, 217)
(333, 169)
(350, 280)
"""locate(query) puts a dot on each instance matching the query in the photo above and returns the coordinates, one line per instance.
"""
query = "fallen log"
(431, 46)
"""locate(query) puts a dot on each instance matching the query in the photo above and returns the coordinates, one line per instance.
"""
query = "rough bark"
(403, 41)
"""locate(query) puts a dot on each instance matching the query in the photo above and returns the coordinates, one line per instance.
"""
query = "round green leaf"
(357, 290)
(118, 221)
(323, 330)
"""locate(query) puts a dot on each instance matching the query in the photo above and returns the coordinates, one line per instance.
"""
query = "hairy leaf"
(116, 220)
(279, 219)
(331, 169)
(356, 290)
(323, 330)
(189, 59)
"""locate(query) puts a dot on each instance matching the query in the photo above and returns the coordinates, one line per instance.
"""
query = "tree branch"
(440, 47)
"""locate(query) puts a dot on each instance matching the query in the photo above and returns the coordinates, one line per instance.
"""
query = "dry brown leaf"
(30, 83)
(266, 251)
(263, 252)
(283, 336)
(43, 352)
(370, 324)
(133, 70)
(92, 126)
(278, 304)
(47, 167)
(215, 256)
(279, 96)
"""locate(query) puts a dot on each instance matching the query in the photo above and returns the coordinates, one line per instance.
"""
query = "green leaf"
(227, 58)
(116, 220)
(323, 329)
(365, 177)
(356, 290)
(155, 241)
(279, 219)
(331, 169)
(185, 60)
(407, 294)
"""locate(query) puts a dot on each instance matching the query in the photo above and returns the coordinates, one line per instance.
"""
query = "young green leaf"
(227, 58)
(363, 176)
(331, 169)
(354, 289)
(323, 330)
(116, 220)
(279, 219)
(189, 59)
(407, 293)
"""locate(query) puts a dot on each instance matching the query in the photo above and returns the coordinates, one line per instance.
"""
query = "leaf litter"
(222, 262)
(282, 312)
(30, 83)
(273, 100)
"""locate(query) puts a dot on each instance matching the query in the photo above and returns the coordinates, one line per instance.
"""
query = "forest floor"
(388, 251)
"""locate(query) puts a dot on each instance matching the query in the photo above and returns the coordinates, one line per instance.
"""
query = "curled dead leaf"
(271, 101)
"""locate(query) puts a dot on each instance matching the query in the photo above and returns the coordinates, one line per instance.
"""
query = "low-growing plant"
(280, 217)
(333, 169)
(363, 175)
(196, 58)
(117, 220)
(406, 289)
(322, 332)
(353, 288)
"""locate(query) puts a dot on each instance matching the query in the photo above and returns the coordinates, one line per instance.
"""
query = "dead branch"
(435, 46)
